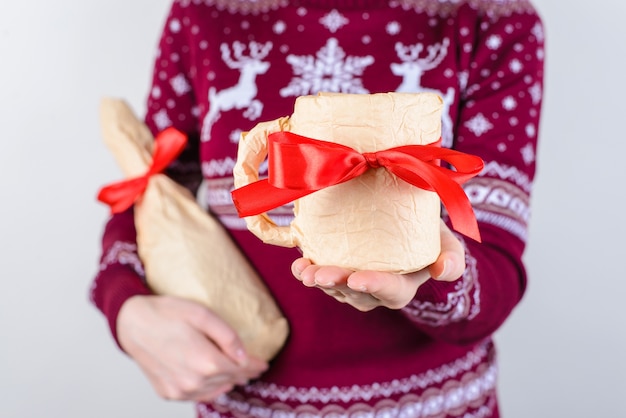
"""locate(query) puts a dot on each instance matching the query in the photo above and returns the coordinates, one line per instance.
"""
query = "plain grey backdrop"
(563, 351)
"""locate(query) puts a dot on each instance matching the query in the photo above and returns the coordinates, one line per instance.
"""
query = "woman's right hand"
(186, 351)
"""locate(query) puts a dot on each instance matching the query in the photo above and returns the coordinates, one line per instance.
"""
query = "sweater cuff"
(434, 291)
(440, 303)
(114, 286)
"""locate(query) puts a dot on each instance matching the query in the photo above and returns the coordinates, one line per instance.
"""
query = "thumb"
(219, 332)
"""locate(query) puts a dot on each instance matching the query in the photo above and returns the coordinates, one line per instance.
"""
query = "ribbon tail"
(260, 197)
(450, 192)
(462, 214)
(121, 195)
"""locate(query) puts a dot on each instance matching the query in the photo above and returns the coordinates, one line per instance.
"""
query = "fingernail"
(297, 271)
(359, 287)
(327, 284)
(448, 266)
(241, 356)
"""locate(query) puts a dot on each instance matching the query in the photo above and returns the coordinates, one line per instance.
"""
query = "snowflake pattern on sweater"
(224, 65)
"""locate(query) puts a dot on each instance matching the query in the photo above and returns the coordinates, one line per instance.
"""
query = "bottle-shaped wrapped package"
(185, 251)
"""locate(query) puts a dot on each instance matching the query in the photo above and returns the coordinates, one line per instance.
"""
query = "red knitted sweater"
(225, 65)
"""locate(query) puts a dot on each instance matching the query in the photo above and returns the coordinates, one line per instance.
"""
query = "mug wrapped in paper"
(364, 172)
(185, 251)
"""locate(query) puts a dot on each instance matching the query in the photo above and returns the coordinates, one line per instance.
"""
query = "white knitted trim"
(463, 303)
(452, 389)
(123, 253)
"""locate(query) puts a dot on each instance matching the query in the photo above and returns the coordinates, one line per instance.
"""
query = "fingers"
(332, 280)
(298, 266)
(313, 275)
(394, 291)
(366, 290)
(213, 394)
(197, 382)
(220, 333)
(185, 350)
(226, 342)
(362, 301)
(197, 390)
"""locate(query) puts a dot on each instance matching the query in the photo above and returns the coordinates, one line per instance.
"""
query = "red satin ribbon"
(299, 166)
(122, 194)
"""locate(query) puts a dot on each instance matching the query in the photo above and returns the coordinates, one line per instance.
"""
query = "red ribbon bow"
(122, 194)
(299, 166)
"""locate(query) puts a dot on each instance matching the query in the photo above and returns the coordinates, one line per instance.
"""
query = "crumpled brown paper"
(185, 251)
(372, 222)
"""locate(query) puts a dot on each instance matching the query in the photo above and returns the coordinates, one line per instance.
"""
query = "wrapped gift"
(365, 174)
(185, 251)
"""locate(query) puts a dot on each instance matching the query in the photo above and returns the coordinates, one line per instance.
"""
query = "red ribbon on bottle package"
(299, 166)
(122, 194)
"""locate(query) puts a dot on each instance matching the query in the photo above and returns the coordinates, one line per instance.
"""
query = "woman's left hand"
(366, 290)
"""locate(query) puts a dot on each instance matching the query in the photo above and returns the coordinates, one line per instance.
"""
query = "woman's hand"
(185, 350)
(366, 290)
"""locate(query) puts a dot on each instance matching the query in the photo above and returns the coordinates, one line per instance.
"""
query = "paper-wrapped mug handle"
(251, 154)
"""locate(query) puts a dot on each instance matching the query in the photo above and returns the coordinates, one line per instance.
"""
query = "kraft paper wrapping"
(372, 222)
(185, 251)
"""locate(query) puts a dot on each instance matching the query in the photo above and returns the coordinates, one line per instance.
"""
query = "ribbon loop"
(123, 194)
(299, 166)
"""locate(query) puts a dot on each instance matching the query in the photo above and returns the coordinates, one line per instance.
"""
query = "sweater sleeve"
(120, 274)
(171, 100)
(498, 119)
(170, 103)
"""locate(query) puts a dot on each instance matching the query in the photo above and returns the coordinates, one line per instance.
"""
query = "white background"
(563, 351)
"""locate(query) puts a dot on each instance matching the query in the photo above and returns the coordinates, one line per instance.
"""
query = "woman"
(401, 345)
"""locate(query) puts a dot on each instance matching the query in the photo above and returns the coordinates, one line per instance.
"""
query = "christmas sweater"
(224, 65)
